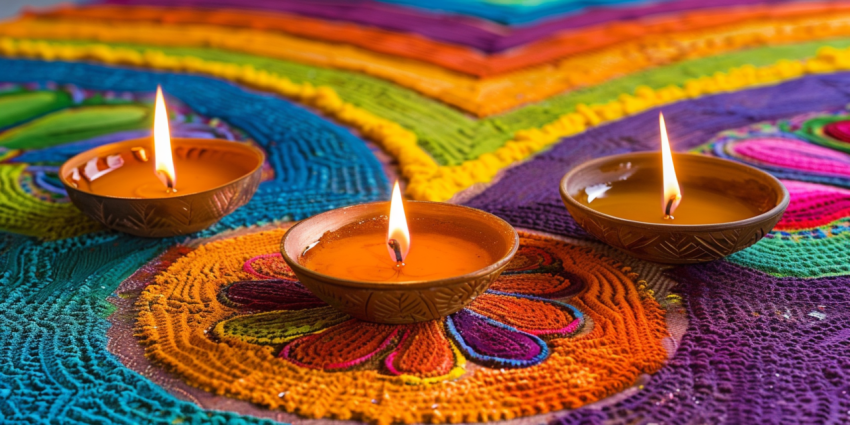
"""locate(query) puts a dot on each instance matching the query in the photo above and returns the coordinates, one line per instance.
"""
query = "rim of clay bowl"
(783, 199)
(261, 156)
(394, 286)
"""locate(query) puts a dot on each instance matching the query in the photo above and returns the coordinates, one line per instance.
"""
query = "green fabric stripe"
(452, 137)
(20, 106)
(75, 124)
(802, 256)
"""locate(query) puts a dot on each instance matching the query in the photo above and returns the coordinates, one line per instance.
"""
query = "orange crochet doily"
(563, 327)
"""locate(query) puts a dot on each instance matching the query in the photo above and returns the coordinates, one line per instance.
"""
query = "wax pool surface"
(138, 180)
(364, 257)
(641, 201)
(197, 169)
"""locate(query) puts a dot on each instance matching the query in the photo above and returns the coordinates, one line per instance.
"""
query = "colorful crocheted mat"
(487, 103)
(566, 325)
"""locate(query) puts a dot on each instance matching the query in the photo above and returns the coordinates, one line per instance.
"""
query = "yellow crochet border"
(426, 179)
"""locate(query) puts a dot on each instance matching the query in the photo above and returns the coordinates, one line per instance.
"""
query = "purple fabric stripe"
(270, 295)
(527, 195)
(758, 350)
(457, 29)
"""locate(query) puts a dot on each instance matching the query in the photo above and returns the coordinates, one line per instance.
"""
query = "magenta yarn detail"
(839, 130)
(813, 205)
(796, 155)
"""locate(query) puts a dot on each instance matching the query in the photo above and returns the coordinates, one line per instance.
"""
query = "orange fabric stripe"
(453, 57)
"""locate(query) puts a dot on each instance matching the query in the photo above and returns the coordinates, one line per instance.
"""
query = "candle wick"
(667, 215)
(397, 251)
(167, 180)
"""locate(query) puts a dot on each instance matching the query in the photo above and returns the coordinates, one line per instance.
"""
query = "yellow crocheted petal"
(278, 327)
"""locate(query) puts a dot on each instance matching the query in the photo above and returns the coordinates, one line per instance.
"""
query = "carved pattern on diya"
(405, 306)
(230, 318)
(153, 218)
(678, 248)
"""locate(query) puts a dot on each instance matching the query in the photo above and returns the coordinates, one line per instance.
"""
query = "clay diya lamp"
(162, 187)
(709, 207)
(399, 262)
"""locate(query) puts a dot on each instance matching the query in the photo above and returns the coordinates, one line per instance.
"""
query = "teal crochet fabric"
(54, 365)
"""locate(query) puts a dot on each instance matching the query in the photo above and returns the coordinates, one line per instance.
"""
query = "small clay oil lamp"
(719, 208)
(162, 187)
(399, 262)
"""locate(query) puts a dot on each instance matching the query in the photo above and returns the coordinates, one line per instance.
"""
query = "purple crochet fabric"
(483, 335)
(759, 349)
(473, 32)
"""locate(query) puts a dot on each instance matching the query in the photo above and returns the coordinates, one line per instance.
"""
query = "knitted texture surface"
(246, 328)
(439, 150)
(486, 103)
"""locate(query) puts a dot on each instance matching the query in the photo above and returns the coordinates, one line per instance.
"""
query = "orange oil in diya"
(382, 249)
(142, 169)
(636, 200)
(705, 199)
(359, 252)
(198, 169)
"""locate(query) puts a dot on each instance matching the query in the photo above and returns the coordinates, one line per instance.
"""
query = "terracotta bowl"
(173, 215)
(404, 302)
(669, 243)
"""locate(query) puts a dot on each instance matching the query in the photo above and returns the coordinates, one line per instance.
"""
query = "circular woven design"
(564, 326)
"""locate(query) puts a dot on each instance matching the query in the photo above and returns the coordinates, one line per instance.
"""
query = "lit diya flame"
(162, 144)
(398, 237)
(672, 194)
